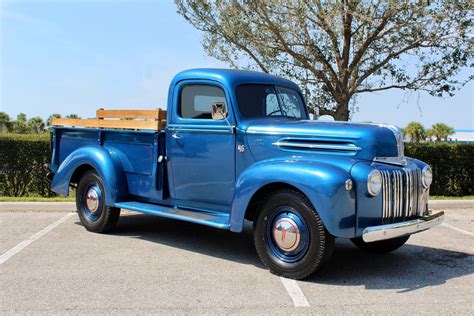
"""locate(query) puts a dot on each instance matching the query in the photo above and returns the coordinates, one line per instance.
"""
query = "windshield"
(258, 100)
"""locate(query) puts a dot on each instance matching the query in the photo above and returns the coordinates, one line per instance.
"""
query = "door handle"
(176, 136)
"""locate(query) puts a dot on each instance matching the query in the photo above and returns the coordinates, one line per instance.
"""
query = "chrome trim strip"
(400, 193)
(389, 231)
(219, 130)
(190, 214)
(385, 193)
(297, 133)
(398, 161)
(317, 146)
(409, 184)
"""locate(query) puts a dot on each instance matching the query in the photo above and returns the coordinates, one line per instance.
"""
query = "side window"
(196, 101)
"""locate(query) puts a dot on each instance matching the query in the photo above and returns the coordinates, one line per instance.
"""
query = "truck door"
(201, 145)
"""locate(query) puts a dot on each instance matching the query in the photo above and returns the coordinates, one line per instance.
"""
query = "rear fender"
(107, 165)
(322, 183)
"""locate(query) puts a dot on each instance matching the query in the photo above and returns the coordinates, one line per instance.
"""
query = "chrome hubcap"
(92, 200)
(286, 234)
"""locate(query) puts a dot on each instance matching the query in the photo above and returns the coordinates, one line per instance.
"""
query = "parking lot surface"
(51, 265)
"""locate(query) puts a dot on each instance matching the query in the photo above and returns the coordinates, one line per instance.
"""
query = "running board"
(217, 220)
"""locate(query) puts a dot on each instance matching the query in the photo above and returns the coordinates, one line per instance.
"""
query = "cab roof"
(232, 78)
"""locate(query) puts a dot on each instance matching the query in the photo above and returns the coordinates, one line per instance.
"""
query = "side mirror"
(219, 111)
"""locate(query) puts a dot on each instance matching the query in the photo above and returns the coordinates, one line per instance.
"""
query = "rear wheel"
(290, 237)
(382, 246)
(90, 203)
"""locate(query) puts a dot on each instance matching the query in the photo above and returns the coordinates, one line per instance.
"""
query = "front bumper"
(389, 231)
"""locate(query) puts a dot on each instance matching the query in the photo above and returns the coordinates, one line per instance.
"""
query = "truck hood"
(358, 140)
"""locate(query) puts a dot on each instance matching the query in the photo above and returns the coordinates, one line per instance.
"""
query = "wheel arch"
(92, 158)
(322, 183)
(80, 171)
(259, 196)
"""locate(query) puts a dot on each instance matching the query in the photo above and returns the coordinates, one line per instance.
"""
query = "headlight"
(374, 182)
(426, 177)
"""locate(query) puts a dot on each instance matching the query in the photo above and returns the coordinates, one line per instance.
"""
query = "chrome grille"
(403, 194)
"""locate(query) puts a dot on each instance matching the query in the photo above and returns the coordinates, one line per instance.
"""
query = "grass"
(35, 199)
(440, 197)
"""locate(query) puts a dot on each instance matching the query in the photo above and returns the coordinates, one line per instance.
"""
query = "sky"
(75, 56)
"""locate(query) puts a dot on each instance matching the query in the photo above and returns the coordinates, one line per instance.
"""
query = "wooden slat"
(157, 114)
(75, 122)
(153, 125)
(123, 124)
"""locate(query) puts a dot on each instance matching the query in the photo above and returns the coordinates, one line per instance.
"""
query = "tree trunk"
(342, 110)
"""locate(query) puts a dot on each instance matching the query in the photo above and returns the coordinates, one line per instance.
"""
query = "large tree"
(337, 49)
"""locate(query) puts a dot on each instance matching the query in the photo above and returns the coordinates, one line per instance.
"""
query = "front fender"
(105, 163)
(322, 183)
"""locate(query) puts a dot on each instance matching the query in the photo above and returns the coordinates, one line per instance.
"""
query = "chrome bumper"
(382, 232)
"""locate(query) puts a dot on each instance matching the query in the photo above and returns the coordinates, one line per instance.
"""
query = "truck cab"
(240, 145)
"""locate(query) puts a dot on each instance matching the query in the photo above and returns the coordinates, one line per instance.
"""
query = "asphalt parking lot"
(51, 265)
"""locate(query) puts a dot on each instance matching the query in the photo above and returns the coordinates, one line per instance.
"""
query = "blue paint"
(107, 166)
(206, 173)
(201, 154)
(321, 182)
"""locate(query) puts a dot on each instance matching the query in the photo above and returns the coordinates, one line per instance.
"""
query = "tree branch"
(386, 16)
(302, 59)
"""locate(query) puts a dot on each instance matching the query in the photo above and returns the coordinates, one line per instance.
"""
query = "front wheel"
(382, 246)
(90, 202)
(290, 237)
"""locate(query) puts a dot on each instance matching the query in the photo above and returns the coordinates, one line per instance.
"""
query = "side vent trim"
(291, 143)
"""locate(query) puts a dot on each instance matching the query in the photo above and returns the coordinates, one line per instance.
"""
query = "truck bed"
(136, 151)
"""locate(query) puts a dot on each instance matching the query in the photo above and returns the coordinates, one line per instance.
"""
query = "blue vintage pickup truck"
(240, 145)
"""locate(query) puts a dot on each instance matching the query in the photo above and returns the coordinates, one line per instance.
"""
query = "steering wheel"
(281, 111)
(270, 114)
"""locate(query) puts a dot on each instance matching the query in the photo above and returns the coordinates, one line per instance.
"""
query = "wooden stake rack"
(120, 119)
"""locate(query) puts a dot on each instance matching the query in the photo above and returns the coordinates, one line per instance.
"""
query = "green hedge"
(452, 164)
(22, 158)
(21, 165)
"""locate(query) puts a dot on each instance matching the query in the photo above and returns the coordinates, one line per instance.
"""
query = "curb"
(66, 207)
(37, 207)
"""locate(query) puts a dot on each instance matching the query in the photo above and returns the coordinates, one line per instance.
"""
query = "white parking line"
(13, 251)
(295, 293)
(465, 232)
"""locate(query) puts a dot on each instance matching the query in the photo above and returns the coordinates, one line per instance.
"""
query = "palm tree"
(21, 117)
(415, 131)
(20, 125)
(440, 131)
(4, 122)
(36, 124)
